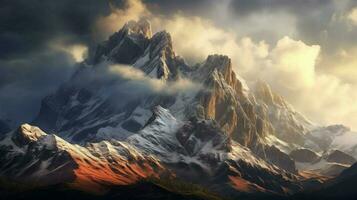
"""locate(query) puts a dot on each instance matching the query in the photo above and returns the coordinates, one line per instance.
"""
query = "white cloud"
(138, 79)
(352, 16)
(77, 51)
(292, 65)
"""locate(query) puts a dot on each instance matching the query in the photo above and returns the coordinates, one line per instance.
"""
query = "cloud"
(78, 52)
(290, 69)
(243, 7)
(40, 43)
(25, 81)
(123, 84)
(330, 101)
(292, 64)
(138, 79)
(132, 10)
(342, 64)
(352, 16)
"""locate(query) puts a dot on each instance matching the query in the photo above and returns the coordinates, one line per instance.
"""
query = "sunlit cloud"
(78, 52)
(132, 10)
(352, 16)
(138, 79)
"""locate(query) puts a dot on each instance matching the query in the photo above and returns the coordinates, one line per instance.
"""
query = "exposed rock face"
(340, 157)
(26, 134)
(196, 131)
(225, 102)
(304, 155)
(280, 159)
(127, 44)
(288, 124)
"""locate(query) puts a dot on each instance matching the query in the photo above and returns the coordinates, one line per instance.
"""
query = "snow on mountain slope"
(335, 137)
(29, 155)
(196, 147)
(162, 148)
(174, 140)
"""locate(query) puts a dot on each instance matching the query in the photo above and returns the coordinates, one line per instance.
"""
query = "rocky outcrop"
(26, 134)
(279, 158)
(304, 155)
(340, 157)
(288, 124)
(198, 131)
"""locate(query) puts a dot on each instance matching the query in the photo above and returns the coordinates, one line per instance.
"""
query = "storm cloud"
(40, 44)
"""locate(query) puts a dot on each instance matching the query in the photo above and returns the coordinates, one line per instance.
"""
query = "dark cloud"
(196, 7)
(246, 7)
(321, 22)
(30, 67)
(25, 81)
(27, 25)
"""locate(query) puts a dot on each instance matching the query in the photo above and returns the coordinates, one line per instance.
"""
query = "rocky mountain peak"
(220, 72)
(161, 41)
(162, 55)
(125, 45)
(221, 63)
(141, 27)
(26, 134)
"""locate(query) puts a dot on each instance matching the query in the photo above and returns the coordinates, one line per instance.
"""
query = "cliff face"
(226, 101)
(288, 124)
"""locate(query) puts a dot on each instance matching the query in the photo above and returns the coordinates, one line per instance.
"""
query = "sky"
(305, 49)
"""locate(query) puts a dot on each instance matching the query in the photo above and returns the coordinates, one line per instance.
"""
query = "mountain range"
(136, 116)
